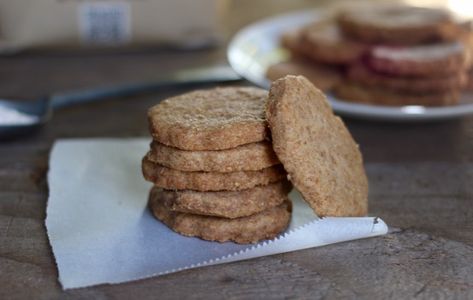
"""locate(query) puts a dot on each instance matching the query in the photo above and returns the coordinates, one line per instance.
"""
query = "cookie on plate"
(319, 154)
(469, 83)
(263, 225)
(324, 76)
(225, 204)
(322, 42)
(354, 92)
(249, 157)
(359, 73)
(422, 61)
(171, 179)
(398, 24)
(214, 119)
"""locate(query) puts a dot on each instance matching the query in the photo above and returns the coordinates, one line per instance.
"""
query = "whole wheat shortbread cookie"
(361, 74)
(213, 119)
(353, 92)
(226, 204)
(318, 152)
(324, 76)
(249, 157)
(397, 24)
(171, 179)
(264, 225)
(427, 60)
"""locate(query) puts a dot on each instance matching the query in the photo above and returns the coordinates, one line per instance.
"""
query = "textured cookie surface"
(362, 74)
(325, 77)
(397, 24)
(264, 225)
(316, 149)
(371, 95)
(171, 179)
(227, 204)
(249, 157)
(428, 60)
(214, 119)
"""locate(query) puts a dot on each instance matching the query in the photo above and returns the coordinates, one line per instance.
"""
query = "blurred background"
(51, 42)
(72, 37)
(51, 46)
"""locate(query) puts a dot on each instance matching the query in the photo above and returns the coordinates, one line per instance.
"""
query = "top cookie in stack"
(215, 174)
(390, 54)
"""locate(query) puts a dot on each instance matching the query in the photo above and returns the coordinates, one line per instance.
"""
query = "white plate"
(256, 47)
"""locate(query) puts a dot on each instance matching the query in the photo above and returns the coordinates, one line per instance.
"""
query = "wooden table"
(421, 184)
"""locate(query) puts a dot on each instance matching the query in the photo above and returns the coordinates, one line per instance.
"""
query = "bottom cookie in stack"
(263, 224)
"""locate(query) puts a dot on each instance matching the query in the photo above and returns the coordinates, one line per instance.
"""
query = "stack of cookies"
(388, 54)
(215, 173)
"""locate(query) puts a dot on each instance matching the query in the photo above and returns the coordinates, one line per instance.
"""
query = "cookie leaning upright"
(318, 152)
(215, 119)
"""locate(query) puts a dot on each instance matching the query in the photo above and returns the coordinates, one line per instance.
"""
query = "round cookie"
(249, 157)
(213, 119)
(322, 42)
(325, 77)
(226, 204)
(469, 83)
(291, 39)
(318, 152)
(264, 225)
(353, 92)
(397, 24)
(171, 179)
(427, 60)
(361, 74)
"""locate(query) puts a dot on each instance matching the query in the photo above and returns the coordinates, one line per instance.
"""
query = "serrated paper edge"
(226, 258)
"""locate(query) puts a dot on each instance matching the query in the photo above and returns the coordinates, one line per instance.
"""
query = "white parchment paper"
(101, 231)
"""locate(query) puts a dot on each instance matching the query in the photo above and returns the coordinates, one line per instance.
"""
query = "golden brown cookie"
(291, 39)
(249, 157)
(171, 179)
(397, 24)
(323, 76)
(214, 119)
(469, 83)
(467, 40)
(264, 225)
(322, 42)
(318, 152)
(353, 92)
(427, 60)
(359, 73)
(226, 204)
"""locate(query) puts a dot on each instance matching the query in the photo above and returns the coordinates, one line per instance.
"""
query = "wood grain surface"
(421, 184)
